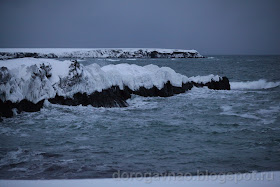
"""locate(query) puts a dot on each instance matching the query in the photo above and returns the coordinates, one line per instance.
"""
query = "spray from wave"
(253, 85)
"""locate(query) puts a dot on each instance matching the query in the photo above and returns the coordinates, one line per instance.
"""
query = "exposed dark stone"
(222, 84)
(153, 54)
(166, 91)
(28, 106)
(111, 97)
(6, 108)
(114, 97)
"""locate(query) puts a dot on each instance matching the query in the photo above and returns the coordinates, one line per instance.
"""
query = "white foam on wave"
(141, 103)
(112, 60)
(254, 85)
(264, 115)
(228, 110)
(271, 110)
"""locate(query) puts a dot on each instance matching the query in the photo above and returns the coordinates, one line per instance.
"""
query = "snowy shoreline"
(240, 179)
(27, 82)
(9, 53)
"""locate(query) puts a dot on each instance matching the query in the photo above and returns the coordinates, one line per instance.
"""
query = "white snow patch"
(204, 79)
(27, 79)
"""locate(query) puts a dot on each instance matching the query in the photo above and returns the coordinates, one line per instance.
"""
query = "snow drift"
(25, 83)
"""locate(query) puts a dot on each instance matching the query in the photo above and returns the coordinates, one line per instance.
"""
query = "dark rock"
(111, 97)
(222, 84)
(28, 106)
(154, 54)
(115, 97)
(167, 90)
(6, 108)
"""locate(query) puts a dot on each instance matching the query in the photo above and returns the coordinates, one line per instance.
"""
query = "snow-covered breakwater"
(9, 53)
(27, 82)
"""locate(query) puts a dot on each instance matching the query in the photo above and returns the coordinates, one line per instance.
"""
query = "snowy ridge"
(204, 79)
(38, 79)
(7, 53)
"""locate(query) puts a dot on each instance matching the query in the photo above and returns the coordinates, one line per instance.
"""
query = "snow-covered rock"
(68, 82)
(8, 53)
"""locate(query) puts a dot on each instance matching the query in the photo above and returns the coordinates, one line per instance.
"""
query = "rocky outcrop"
(12, 55)
(26, 83)
(7, 108)
(222, 84)
(167, 90)
(112, 97)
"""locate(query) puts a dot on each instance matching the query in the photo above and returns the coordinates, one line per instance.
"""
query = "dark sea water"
(202, 129)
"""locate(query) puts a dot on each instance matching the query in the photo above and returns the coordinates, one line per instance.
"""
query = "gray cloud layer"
(212, 27)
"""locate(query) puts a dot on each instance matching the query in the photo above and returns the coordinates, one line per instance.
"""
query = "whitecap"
(112, 60)
(254, 85)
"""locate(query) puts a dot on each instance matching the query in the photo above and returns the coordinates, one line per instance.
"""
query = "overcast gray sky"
(209, 26)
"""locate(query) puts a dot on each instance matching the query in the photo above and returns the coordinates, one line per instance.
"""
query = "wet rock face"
(115, 97)
(222, 84)
(111, 97)
(7, 107)
(167, 90)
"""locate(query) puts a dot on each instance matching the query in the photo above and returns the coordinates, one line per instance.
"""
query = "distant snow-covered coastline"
(9, 53)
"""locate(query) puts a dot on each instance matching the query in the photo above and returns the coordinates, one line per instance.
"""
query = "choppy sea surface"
(206, 130)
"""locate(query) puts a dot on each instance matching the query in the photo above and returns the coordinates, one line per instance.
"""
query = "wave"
(112, 60)
(254, 85)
